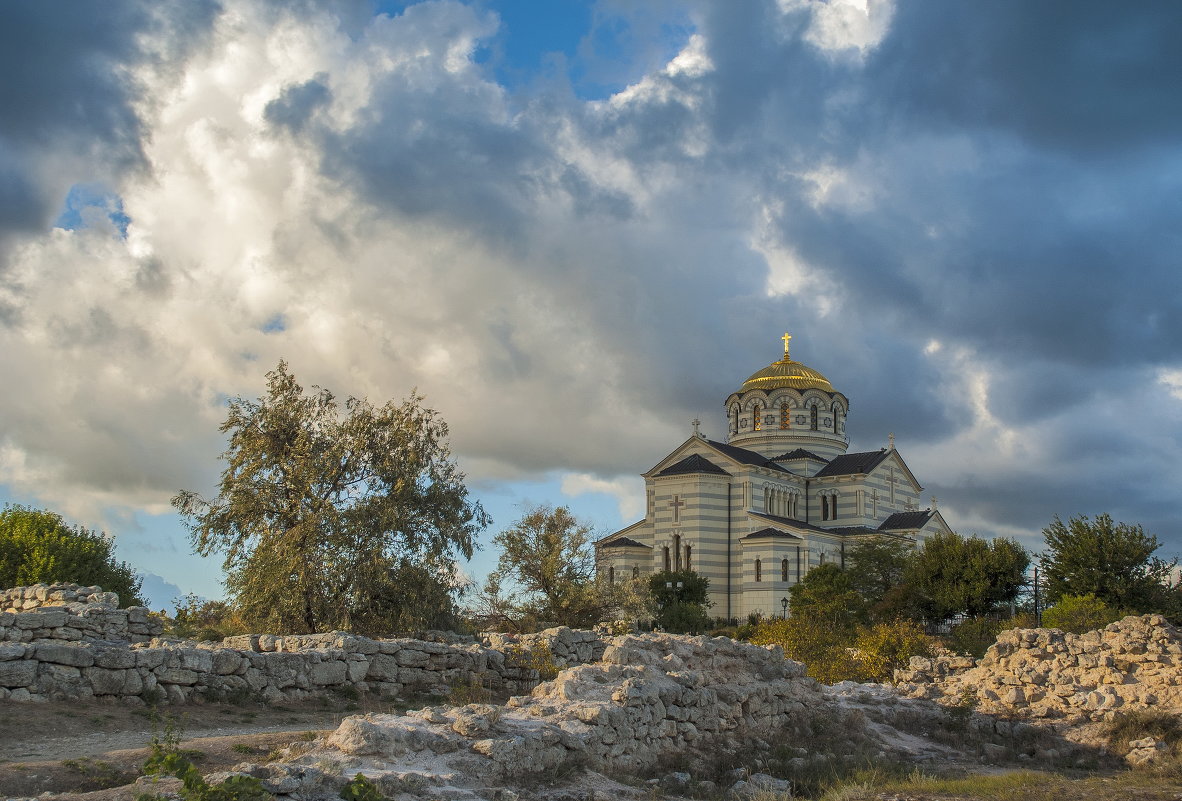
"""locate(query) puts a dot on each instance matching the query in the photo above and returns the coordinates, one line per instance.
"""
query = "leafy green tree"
(38, 546)
(827, 593)
(877, 567)
(681, 599)
(1080, 613)
(954, 575)
(318, 508)
(547, 556)
(1112, 561)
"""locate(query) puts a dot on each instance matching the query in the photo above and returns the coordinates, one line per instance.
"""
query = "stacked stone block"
(1047, 673)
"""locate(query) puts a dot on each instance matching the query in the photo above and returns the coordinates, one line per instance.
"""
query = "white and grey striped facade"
(756, 513)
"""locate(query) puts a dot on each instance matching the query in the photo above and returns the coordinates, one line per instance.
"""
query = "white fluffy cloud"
(570, 281)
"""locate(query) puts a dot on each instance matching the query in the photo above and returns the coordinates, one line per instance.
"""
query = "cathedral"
(780, 496)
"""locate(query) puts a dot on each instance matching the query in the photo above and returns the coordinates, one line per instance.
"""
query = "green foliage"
(469, 691)
(973, 636)
(360, 788)
(548, 557)
(537, 657)
(966, 575)
(1080, 613)
(681, 599)
(827, 592)
(319, 508)
(884, 647)
(167, 759)
(37, 545)
(877, 567)
(199, 619)
(856, 653)
(1112, 561)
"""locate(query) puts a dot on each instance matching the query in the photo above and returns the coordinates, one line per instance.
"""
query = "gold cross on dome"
(787, 339)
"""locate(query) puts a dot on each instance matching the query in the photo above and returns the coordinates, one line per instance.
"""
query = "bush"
(198, 619)
(974, 636)
(37, 545)
(884, 647)
(1080, 613)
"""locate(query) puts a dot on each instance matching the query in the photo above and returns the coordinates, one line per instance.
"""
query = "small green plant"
(360, 788)
(1125, 728)
(242, 748)
(960, 713)
(168, 759)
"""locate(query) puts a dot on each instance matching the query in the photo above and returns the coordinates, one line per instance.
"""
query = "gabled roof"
(694, 463)
(853, 463)
(906, 521)
(624, 542)
(744, 456)
(799, 453)
(769, 532)
(790, 522)
(624, 530)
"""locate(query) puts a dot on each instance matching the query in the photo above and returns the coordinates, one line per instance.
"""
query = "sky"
(576, 226)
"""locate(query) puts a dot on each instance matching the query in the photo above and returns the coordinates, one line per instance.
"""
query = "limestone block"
(11, 650)
(356, 670)
(382, 667)
(61, 654)
(20, 673)
(225, 662)
(328, 673)
(171, 676)
(109, 682)
(412, 657)
(44, 618)
(113, 657)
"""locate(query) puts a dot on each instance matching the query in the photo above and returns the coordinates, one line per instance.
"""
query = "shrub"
(884, 647)
(824, 649)
(1080, 613)
(974, 636)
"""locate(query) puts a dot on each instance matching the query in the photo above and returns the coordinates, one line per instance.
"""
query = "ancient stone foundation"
(70, 642)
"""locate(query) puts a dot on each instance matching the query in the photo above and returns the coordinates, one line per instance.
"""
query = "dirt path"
(79, 747)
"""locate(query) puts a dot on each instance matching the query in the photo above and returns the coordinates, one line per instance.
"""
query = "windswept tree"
(1115, 562)
(546, 573)
(37, 545)
(320, 510)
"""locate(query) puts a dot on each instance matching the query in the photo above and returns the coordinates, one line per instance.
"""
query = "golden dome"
(787, 373)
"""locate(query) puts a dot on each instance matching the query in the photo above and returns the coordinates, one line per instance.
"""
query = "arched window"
(783, 570)
(756, 420)
(824, 507)
(611, 575)
(836, 415)
(735, 419)
(785, 417)
(636, 571)
(833, 506)
(666, 552)
(677, 551)
(758, 570)
(813, 417)
(689, 552)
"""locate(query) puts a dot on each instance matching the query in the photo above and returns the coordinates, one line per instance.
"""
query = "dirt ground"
(86, 747)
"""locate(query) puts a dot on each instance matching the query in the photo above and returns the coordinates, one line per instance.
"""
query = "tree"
(680, 598)
(548, 557)
(1113, 561)
(966, 575)
(319, 508)
(37, 545)
(877, 567)
(827, 592)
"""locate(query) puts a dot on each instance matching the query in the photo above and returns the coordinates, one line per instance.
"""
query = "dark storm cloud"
(67, 86)
(297, 103)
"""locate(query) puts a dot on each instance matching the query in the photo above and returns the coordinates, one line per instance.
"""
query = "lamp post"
(784, 606)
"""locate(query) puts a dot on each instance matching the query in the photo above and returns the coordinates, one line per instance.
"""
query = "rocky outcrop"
(1050, 674)
(651, 697)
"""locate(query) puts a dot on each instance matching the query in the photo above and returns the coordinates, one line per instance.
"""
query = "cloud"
(570, 281)
(628, 492)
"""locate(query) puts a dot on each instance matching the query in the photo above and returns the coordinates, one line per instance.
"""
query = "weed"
(471, 691)
(1125, 728)
(168, 759)
(243, 748)
(360, 788)
(346, 691)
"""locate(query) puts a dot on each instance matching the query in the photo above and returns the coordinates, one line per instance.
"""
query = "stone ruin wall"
(70, 642)
(1051, 675)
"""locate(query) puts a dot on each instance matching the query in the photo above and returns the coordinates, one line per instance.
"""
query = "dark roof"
(853, 531)
(623, 542)
(769, 532)
(693, 464)
(744, 456)
(906, 520)
(852, 463)
(788, 521)
(799, 453)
